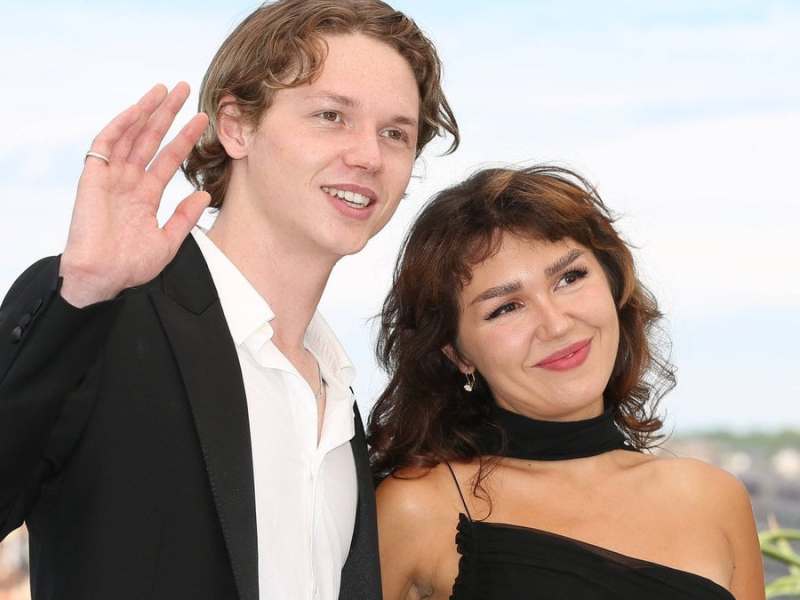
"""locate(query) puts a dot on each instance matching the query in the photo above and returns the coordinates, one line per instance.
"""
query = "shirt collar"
(329, 352)
(246, 311)
(248, 315)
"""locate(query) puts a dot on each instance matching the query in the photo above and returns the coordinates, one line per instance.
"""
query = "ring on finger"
(93, 154)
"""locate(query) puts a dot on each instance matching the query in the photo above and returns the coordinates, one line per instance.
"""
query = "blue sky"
(685, 114)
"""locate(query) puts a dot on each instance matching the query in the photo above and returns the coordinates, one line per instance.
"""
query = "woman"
(513, 436)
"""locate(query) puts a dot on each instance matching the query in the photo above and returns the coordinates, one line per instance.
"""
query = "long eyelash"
(580, 272)
(496, 312)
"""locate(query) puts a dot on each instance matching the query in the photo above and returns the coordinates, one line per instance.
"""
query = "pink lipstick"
(567, 358)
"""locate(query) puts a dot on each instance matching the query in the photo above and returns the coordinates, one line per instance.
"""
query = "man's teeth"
(352, 198)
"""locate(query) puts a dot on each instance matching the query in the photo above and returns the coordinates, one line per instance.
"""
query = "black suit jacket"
(125, 444)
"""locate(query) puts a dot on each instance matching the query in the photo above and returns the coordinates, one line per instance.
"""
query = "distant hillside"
(767, 442)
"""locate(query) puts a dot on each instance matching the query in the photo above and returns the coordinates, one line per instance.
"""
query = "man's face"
(330, 160)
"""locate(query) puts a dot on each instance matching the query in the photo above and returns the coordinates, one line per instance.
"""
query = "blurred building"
(768, 465)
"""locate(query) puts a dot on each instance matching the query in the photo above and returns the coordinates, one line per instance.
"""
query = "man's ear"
(462, 365)
(232, 130)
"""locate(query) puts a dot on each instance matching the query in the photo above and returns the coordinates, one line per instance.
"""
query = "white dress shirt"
(306, 492)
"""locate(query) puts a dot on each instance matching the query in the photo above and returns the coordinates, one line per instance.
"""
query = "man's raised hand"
(114, 240)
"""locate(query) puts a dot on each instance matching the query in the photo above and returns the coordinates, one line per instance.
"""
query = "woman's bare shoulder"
(692, 475)
(709, 496)
(698, 483)
(419, 493)
(417, 517)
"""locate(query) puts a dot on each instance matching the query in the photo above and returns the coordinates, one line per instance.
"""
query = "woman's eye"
(501, 310)
(570, 277)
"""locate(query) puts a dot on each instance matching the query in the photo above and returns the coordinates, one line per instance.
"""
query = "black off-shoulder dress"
(510, 562)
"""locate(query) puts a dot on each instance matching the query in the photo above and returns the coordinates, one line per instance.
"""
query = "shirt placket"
(307, 416)
(314, 471)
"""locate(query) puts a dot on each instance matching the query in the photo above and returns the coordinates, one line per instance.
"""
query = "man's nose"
(364, 150)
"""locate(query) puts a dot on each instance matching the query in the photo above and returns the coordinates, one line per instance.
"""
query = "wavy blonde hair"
(281, 45)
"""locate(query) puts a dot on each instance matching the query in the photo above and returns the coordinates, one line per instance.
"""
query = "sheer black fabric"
(508, 562)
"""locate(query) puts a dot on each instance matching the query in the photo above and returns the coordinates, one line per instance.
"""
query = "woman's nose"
(553, 320)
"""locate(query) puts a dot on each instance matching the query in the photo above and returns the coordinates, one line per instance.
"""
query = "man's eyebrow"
(563, 262)
(402, 120)
(504, 289)
(335, 98)
(349, 102)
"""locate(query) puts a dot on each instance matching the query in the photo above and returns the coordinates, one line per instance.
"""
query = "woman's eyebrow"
(512, 287)
(499, 290)
(563, 262)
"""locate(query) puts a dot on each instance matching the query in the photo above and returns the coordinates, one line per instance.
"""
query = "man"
(175, 418)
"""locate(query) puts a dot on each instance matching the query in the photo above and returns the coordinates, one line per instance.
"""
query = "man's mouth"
(353, 199)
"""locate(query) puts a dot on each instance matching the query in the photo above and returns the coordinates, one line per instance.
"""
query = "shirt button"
(16, 334)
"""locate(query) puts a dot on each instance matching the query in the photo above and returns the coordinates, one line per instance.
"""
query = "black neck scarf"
(532, 439)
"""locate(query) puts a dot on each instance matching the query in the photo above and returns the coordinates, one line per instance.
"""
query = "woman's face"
(539, 323)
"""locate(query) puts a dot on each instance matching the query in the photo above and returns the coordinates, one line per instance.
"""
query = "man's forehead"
(358, 57)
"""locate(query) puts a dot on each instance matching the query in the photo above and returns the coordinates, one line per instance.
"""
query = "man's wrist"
(80, 289)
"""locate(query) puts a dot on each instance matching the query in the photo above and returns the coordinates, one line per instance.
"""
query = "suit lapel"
(192, 317)
(361, 576)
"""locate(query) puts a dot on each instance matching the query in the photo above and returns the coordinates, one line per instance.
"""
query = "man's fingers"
(173, 154)
(149, 139)
(184, 218)
(148, 104)
(153, 97)
(112, 132)
(105, 140)
(120, 126)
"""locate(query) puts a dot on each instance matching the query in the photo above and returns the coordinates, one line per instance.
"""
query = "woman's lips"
(570, 357)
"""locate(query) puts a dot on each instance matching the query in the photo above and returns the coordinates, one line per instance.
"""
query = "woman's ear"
(232, 131)
(460, 363)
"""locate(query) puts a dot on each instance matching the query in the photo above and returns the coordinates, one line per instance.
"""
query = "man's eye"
(330, 115)
(394, 134)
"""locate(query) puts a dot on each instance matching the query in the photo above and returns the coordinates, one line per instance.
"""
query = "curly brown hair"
(280, 45)
(424, 416)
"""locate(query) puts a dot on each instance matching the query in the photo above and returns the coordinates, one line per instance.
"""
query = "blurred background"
(685, 115)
